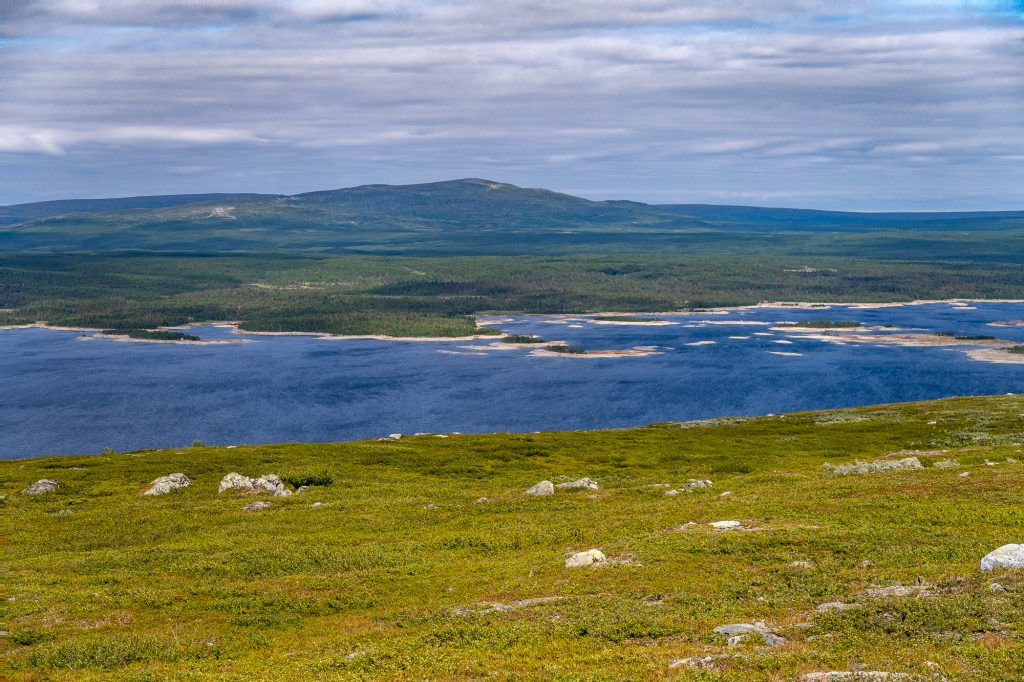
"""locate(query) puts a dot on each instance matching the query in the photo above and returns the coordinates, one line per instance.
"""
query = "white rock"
(166, 484)
(586, 483)
(802, 565)
(725, 525)
(542, 488)
(235, 481)
(671, 493)
(591, 557)
(833, 606)
(1007, 556)
(45, 485)
(727, 493)
(481, 500)
(258, 505)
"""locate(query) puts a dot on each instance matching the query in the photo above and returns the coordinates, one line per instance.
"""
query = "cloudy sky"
(856, 104)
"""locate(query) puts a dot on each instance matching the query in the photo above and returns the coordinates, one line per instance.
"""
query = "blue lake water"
(62, 394)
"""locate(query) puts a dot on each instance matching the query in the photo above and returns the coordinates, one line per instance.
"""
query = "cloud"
(867, 104)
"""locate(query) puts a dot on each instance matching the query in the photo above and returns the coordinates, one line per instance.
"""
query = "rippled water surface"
(61, 393)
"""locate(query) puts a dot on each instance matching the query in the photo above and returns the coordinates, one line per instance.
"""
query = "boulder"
(258, 505)
(591, 557)
(833, 606)
(271, 483)
(268, 483)
(45, 485)
(1007, 556)
(481, 500)
(235, 481)
(542, 488)
(579, 483)
(168, 483)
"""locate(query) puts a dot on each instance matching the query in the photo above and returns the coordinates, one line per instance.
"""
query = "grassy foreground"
(393, 577)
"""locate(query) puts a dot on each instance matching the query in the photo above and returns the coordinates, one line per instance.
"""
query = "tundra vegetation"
(437, 296)
(422, 558)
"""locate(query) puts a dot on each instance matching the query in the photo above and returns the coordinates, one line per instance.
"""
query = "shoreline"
(485, 320)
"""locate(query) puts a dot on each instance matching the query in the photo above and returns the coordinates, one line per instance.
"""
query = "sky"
(841, 104)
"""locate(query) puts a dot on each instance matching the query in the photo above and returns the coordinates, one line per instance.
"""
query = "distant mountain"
(19, 213)
(470, 216)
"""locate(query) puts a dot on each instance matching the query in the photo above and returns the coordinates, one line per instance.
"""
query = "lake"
(66, 392)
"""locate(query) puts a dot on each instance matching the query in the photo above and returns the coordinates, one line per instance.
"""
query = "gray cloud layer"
(870, 105)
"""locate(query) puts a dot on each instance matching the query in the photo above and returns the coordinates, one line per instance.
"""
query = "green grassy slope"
(473, 217)
(392, 579)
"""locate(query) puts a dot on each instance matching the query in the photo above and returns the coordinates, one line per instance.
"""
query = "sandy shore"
(990, 350)
(117, 338)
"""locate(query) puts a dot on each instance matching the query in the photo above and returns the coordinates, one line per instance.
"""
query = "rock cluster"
(258, 505)
(45, 485)
(166, 484)
(268, 483)
(877, 467)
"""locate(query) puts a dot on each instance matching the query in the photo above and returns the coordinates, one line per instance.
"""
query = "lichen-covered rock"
(235, 481)
(877, 467)
(833, 606)
(45, 485)
(268, 483)
(166, 484)
(271, 483)
(1007, 556)
(258, 505)
(542, 488)
(579, 483)
(737, 631)
(591, 557)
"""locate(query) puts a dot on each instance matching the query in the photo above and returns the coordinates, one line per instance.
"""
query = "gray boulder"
(271, 483)
(235, 481)
(40, 487)
(1007, 556)
(166, 484)
(737, 631)
(258, 505)
(542, 488)
(268, 483)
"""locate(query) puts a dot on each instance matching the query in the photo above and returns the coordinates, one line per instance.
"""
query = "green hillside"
(481, 217)
(391, 567)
